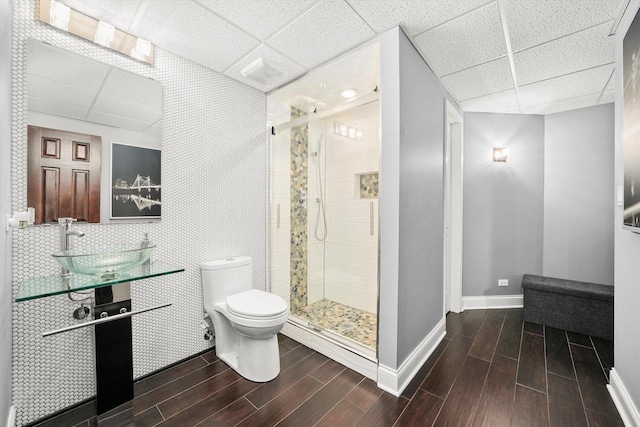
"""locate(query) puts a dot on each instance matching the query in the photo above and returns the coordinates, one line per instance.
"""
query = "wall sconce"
(500, 154)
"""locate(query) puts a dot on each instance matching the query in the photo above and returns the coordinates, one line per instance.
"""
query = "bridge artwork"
(141, 183)
(135, 184)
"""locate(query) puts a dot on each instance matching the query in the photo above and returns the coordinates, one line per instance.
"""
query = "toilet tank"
(225, 277)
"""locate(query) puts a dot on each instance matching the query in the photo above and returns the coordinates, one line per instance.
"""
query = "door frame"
(453, 205)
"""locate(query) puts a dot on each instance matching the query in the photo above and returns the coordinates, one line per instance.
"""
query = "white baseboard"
(332, 349)
(395, 381)
(494, 301)
(627, 409)
(11, 418)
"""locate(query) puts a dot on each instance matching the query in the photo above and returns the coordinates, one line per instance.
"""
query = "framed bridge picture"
(136, 188)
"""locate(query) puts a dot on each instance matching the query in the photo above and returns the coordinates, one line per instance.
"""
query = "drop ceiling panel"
(565, 87)
(611, 85)
(532, 22)
(498, 102)
(57, 109)
(325, 31)
(265, 17)
(118, 13)
(190, 30)
(131, 87)
(65, 67)
(491, 77)
(607, 97)
(585, 49)
(117, 121)
(113, 106)
(155, 129)
(46, 90)
(467, 41)
(562, 105)
(414, 17)
(290, 69)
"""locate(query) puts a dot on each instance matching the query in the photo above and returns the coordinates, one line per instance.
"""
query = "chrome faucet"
(65, 233)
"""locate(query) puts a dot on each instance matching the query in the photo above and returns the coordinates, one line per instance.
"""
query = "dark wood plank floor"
(492, 369)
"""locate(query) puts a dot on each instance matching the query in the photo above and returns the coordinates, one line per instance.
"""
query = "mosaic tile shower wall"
(299, 213)
(214, 196)
(368, 185)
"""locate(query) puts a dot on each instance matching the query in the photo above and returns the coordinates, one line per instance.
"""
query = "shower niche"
(325, 162)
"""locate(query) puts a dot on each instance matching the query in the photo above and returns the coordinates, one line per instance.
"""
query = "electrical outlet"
(503, 282)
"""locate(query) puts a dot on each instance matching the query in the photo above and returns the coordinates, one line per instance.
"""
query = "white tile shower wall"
(351, 252)
(214, 198)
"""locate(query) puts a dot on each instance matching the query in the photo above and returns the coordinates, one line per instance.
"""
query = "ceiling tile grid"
(472, 39)
(585, 49)
(485, 79)
(464, 41)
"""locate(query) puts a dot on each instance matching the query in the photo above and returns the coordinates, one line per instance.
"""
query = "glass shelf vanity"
(40, 287)
(111, 309)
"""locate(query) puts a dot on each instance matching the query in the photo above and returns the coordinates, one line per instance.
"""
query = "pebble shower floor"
(350, 322)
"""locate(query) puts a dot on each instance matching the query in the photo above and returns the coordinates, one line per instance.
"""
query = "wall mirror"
(79, 109)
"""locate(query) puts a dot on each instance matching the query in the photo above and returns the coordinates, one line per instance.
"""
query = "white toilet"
(245, 320)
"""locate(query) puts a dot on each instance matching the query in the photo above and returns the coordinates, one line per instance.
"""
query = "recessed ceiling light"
(348, 93)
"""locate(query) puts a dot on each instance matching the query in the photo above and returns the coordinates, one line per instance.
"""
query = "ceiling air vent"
(260, 71)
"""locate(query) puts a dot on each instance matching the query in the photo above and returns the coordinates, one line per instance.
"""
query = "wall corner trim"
(628, 410)
(495, 301)
(395, 381)
(11, 417)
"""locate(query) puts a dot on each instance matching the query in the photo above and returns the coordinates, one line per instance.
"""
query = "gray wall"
(5, 208)
(626, 253)
(411, 205)
(579, 194)
(503, 202)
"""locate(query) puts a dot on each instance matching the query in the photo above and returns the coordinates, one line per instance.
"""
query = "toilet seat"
(256, 304)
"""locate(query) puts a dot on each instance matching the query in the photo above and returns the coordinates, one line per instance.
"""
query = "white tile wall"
(351, 253)
(214, 195)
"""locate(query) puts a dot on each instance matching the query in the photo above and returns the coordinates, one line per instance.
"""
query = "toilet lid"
(255, 303)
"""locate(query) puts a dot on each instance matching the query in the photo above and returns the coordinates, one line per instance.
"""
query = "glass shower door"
(325, 157)
(324, 239)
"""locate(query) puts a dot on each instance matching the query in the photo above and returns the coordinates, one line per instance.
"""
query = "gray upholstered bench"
(575, 306)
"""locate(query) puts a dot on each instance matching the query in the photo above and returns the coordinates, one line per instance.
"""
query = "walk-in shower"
(325, 158)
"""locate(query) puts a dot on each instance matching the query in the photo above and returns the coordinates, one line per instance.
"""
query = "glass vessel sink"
(104, 262)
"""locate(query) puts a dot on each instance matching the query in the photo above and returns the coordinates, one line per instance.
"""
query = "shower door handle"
(371, 228)
(278, 215)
